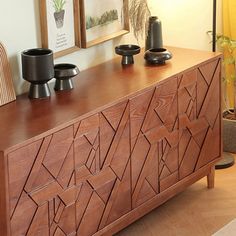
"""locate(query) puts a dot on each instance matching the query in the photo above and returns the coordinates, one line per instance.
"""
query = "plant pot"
(229, 141)
(59, 18)
(229, 133)
(38, 69)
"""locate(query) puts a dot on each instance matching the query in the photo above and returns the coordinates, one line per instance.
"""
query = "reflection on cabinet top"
(96, 88)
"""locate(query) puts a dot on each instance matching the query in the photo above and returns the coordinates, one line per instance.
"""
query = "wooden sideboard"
(93, 160)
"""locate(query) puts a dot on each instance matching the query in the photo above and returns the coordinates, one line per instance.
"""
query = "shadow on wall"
(19, 84)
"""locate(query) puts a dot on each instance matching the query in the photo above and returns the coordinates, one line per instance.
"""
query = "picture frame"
(7, 92)
(60, 26)
(108, 20)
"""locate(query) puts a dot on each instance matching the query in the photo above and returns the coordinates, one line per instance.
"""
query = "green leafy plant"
(58, 5)
(228, 48)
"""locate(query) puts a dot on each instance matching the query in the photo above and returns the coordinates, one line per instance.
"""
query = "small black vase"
(38, 69)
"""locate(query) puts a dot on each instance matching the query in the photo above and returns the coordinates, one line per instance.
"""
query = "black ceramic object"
(127, 51)
(63, 74)
(157, 56)
(154, 34)
(38, 69)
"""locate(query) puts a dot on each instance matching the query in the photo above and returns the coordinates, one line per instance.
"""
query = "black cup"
(38, 69)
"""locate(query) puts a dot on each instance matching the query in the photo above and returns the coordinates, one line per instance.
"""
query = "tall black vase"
(38, 69)
(154, 34)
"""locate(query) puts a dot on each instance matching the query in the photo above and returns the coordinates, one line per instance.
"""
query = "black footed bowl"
(63, 74)
(127, 51)
(157, 56)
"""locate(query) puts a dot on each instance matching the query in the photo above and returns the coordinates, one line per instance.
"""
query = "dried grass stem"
(139, 14)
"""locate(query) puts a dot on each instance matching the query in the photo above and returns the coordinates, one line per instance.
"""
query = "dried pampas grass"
(139, 14)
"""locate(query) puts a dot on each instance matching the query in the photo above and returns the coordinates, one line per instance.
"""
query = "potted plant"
(59, 12)
(228, 48)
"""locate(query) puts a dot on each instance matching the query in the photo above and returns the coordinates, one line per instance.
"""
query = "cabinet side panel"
(4, 204)
(211, 112)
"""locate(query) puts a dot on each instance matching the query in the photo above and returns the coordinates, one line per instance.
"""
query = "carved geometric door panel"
(144, 162)
(89, 176)
(115, 124)
(154, 135)
(102, 167)
(199, 117)
(210, 110)
(40, 183)
(166, 135)
(189, 148)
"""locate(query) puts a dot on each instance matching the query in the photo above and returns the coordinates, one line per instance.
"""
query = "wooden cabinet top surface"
(95, 89)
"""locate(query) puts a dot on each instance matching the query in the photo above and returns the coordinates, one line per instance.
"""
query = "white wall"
(185, 23)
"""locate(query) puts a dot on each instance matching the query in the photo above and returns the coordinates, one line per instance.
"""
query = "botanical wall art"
(60, 25)
(102, 20)
(7, 92)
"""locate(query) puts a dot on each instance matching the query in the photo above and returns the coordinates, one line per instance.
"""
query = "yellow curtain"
(229, 30)
(229, 18)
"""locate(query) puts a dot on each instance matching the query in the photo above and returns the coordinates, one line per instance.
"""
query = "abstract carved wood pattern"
(199, 117)
(154, 156)
(42, 186)
(84, 177)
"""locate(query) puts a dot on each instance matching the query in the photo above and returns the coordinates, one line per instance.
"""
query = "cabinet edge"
(4, 203)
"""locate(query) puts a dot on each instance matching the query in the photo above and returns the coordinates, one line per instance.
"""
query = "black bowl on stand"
(127, 51)
(63, 74)
(38, 69)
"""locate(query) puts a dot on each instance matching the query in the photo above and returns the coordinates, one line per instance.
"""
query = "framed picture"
(102, 20)
(60, 26)
(7, 92)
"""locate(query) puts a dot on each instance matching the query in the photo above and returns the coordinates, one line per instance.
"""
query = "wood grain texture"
(200, 117)
(42, 193)
(7, 92)
(216, 208)
(4, 196)
(154, 202)
(92, 94)
(211, 178)
(95, 175)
